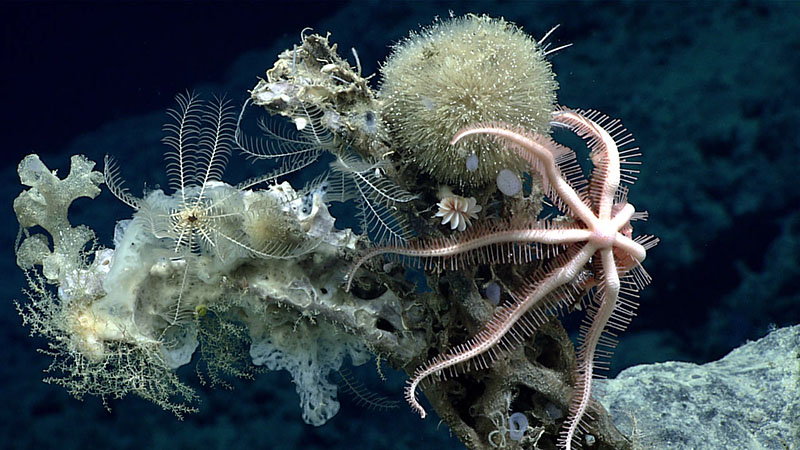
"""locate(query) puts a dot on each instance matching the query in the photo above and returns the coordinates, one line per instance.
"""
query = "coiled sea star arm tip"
(411, 397)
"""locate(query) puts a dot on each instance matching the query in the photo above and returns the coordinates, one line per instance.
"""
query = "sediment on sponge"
(456, 73)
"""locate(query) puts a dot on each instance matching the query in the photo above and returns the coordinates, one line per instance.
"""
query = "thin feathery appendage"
(603, 153)
(305, 138)
(176, 317)
(375, 195)
(622, 139)
(288, 166)
(363, 396)
(516, 242)
(215, 142)
(366, 174)
(274, 249)
(510, 325)
(114, 182)
(182, 135)
(571, 171)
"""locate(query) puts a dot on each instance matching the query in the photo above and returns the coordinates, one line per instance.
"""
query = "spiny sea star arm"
(604, 154)
(631, 247)
(592, 334)
(499, 325)
(448, 247)
(623, 216)
(529, 147)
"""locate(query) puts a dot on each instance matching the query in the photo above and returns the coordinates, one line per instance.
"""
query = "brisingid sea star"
(594, 250)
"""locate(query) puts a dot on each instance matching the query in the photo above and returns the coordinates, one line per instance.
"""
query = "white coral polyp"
(457, 211)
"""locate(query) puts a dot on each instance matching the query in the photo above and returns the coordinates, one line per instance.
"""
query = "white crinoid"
(204, 215)
(353, 176)
(457, 211)
(205, 225)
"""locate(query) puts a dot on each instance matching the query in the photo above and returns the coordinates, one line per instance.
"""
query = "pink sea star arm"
(499, 325)
(531, 148)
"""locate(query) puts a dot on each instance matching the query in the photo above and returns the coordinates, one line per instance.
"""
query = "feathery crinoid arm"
(375, 195)
(215, 141)
(116, 185)
(305, 139)
(182, 134)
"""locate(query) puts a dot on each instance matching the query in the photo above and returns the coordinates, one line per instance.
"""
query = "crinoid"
(351, 176)
(296, 146)
(204, 216)
(594, 252)
(375, 195)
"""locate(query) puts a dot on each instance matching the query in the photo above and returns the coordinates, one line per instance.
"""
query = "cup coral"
(454, 73)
